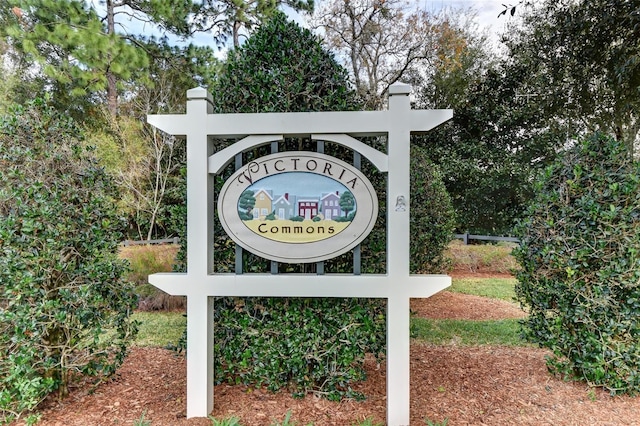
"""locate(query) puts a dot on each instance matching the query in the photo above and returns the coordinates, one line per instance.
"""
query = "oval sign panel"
(298, 207)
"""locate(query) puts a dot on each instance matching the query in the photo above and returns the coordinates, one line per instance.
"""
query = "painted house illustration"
(284, 207)
(331, 205)
(287, 205)
(264, 204)
(308, 207)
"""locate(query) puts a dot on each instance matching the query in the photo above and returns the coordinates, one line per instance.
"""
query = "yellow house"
(263, 205)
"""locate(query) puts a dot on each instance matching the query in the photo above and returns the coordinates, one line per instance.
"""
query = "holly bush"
(304, 345)
(432, 218)
(580, 265)
(64, 307)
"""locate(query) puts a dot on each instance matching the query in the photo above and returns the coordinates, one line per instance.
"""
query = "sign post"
(200, 284)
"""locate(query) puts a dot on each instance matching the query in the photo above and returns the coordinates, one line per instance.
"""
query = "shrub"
(283, 67)
(580, 259)
(305, 344)
(61, 286)
(432, 216)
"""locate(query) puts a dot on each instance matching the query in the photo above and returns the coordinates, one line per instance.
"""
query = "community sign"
(298, 207)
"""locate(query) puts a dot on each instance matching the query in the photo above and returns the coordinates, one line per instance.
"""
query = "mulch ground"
(482, 385)
(448, 305)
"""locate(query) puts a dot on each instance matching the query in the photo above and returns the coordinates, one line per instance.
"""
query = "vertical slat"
(320, 265)
(238, 256)
(357, 258)
(274, 264)
(357, 264)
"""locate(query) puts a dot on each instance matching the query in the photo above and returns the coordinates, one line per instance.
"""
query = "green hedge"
(307, 345)
(61, 283)
(580, 258)
(304, 345)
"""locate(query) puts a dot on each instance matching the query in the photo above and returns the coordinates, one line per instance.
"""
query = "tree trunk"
(236, 34)
(112, 92)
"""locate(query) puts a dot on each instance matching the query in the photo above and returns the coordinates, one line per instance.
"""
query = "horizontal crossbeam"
(354, 123)
(299, 285)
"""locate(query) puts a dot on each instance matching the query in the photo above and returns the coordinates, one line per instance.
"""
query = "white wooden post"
(200, 284)
(199, 257)
(398, 376)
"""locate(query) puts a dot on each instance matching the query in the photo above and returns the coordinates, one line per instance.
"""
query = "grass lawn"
(461, 332)
(159, 328)
(464, 332)
(495, 288)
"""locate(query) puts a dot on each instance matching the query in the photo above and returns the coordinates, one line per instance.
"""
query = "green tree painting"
(347, 202)
(245, 204)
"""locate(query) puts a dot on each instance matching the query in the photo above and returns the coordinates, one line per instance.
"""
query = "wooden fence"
(466, 237)
(174, 240)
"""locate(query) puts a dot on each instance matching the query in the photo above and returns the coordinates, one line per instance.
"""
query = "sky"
(487, 12)
(487, 16)
(309, 184)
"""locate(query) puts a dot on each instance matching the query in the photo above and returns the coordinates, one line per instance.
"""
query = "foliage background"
(567, 69)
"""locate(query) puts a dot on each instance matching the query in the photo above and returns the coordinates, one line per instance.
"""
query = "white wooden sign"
(298, 207)
(200, 284)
